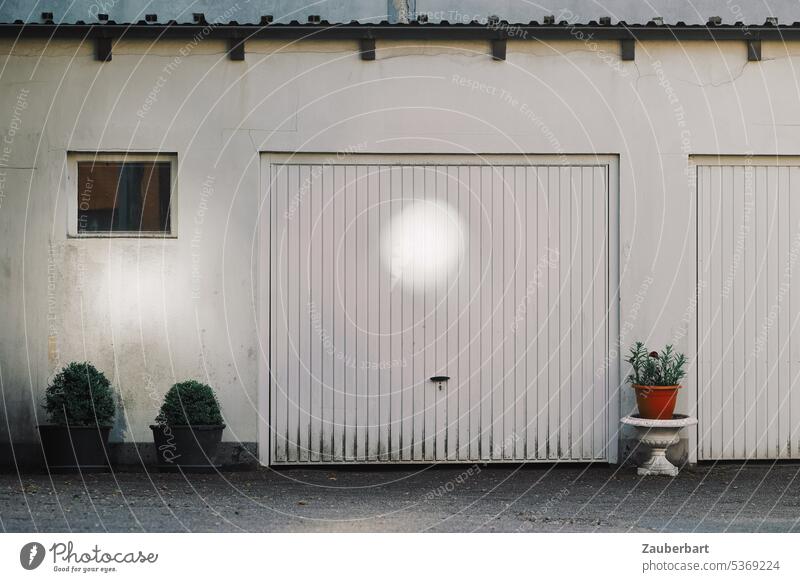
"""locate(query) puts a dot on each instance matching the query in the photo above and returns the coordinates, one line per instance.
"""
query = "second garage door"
(748, 333)
(387, 272)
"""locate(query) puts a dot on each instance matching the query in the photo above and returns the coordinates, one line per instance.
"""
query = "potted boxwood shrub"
(188, 428)
(655, 378)
(80, 407)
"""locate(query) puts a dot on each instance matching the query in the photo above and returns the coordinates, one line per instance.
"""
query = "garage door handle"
(439, 380)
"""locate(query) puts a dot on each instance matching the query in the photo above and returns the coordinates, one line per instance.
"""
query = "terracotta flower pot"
(656, 402)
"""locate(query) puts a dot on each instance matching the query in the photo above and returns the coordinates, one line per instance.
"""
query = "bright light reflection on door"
(423, 245)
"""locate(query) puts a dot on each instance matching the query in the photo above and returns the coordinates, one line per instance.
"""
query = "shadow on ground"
(464, 498)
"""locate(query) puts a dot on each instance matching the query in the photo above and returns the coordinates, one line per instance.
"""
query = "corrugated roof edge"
(412, 30)
(152, 19)
(712, 21)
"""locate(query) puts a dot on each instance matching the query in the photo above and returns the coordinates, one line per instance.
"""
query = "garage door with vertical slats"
(385, 273)
(749, 303)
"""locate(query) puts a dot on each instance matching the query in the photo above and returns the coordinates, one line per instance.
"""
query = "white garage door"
(748, 337)
(385, 272)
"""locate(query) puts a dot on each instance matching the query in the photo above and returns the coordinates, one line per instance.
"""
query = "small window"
(124, 195)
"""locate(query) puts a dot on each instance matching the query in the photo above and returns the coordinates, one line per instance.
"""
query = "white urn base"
(658, 436)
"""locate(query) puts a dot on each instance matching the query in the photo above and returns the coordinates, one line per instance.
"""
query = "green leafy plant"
(80, 395)
(655, 369)
(190, 403)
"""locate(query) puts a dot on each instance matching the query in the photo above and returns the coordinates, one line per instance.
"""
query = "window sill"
(125, 235)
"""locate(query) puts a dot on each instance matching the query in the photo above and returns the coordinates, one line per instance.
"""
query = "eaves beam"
(104, 34)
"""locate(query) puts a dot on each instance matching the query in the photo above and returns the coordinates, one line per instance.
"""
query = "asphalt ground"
(535, 498)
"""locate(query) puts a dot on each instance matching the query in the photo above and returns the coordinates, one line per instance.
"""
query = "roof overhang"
(497, 33)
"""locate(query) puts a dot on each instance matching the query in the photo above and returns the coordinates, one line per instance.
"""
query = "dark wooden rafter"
(102, 48)
(236, 49)
(499, 49)
(754, 50)
(627, 49)
(366, 46)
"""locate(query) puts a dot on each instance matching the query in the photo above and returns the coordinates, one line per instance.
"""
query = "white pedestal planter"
(659, 435)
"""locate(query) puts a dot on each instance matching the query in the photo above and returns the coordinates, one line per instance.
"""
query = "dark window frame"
(74, 193)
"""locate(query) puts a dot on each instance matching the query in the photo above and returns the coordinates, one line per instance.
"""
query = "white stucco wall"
(150, 312)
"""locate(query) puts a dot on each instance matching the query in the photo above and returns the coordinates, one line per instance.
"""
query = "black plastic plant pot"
(76, 448)
(187, 448)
